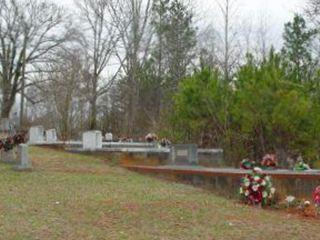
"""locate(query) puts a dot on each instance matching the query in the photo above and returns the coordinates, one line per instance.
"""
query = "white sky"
(276, 12)
(280, 10)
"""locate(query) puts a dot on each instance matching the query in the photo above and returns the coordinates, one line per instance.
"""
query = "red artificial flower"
(269, 160)
(255, 197)
(316, 196)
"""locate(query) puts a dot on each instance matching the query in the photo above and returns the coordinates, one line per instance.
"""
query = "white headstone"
(92, 140)
(51, 135)
(23, 158)
(36, 134)
(109, 137)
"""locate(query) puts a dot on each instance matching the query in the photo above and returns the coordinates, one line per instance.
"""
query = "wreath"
(269, 161)
(9, 143)
(256, 188)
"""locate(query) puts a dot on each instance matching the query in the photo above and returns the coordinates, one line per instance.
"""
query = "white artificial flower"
(263, 183)
(255, 188)
(247, 184)
(290, 199)
(264, 194)
(241, 190)
(272, 190)
(256, 178)
(247, 193)
(267, 178)
(307, 203)
(257, 170)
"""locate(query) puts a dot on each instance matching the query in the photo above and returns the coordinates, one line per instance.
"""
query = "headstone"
(8, 156)
(109, 137)
(92, 140)
(51, 135)
(184, 154)
(36, 134)
(7, 129)
(23, 158)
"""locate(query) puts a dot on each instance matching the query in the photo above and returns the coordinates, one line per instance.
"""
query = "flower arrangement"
(10, 142)
(165, 142)
(247, 164)
(269, 161)
(290, 200)
(301, 166)
(316, 197)
(151, 137)
(256, 188)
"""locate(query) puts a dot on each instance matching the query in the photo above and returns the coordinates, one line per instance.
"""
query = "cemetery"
(159, 119)
(186, 163)
(178, 164)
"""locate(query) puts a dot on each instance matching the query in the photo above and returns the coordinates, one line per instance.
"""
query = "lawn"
(71, 196)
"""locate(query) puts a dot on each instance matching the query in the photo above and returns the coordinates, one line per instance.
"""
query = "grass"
(71, 196)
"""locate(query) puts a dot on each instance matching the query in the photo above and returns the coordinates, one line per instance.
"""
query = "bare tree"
(100, 39)
(263, 36)
(61, 93)
(28, 33)
(229, 10)
(313, 11)
(133, 23)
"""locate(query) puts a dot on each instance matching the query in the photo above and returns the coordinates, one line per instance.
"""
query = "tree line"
(135, 66)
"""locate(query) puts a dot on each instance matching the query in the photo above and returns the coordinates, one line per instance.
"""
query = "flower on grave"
(269, 161)
(9, 143)
(256, 188)
(301, 165)
(151, 137)
(306, 203)
(316, 197)
(257, 170)
(19, 138)
(290, 199)
(247, 164)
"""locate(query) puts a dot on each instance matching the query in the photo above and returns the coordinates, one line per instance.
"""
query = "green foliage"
(297, 49)
(264, 112)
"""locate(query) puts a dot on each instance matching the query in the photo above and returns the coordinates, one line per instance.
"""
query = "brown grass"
(71, 196)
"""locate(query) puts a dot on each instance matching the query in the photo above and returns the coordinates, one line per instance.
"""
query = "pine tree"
(296, 50)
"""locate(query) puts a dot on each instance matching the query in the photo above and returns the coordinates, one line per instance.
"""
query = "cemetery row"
(187, 163)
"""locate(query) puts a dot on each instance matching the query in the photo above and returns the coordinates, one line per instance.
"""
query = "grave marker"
(184, 154)
(51, 135)
(109, 137)
(23, 158)
(92, 140)
(36, 134)
(7, 129)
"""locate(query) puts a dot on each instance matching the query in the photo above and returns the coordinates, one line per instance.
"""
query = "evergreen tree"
(296, 51)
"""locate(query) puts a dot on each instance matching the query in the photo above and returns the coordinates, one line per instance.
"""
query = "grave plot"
(12, 147)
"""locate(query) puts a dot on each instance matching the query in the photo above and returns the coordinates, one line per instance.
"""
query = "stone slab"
(23, 158)
(92, 140)
(184, 154)
(51, 135)
(36, 134)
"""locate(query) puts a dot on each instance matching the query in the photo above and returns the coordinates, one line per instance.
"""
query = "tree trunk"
(93, 114)
(7, 104)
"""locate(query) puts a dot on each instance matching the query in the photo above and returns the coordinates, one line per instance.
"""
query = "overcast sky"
(280, 10)
(277, 12)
